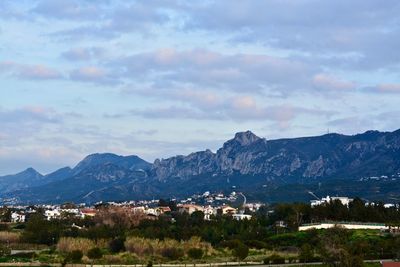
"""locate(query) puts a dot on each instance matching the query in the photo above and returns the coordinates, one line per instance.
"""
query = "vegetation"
(119, 237)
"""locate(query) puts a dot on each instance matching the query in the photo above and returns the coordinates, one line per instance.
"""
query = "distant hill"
(27, 178)
(367, 165)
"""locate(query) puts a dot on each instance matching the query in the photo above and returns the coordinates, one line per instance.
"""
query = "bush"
(9, 237)
(24, 255)
(172, 253)
(140, 246)
(20, 226)
(4, 251)
(231, 244)
(306, 253)
(195, 253)
(274, 259)
(4, 227)
(69, 244)
(95, 253)
(256, 244)
(116, 245)
(154, 247)
(74, 256)
(241, 251)
(196, 242)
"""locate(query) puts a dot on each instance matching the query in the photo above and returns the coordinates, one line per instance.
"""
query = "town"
(208, 203)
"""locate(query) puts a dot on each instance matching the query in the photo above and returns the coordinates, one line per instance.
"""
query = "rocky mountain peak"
(245, 138)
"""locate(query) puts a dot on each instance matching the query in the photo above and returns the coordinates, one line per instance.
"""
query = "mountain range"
(365, 165)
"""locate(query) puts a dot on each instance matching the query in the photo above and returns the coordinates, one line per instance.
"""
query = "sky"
(161, 78)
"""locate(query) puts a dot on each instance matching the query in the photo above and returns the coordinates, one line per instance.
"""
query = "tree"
(118, 217)
(241, 251)
(5, 214)
(40, 231)
(197, 217)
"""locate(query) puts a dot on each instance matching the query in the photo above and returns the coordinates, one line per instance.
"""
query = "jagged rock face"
(309, 158)
(181, 166)
(235, 155)
(240, 153)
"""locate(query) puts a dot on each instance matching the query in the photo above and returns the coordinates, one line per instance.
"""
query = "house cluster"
(191, 208)
(344, 200)
(210, 211)
(210, 204)
(21, 213)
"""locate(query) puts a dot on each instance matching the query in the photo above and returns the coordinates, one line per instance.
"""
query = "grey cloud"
(93, 74)
(29, 115)
(141, 17)
(83, 54)
(70, 9)
(238, 72)
(384, 88)
(361, 34)
(322, 28)
(21, 124)
(240, 111)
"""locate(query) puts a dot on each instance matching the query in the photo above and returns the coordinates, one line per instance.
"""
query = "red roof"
(86, 210)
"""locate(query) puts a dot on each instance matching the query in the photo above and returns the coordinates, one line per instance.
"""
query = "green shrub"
(274, 259)
(306, 253)
(241, 251)
(116, 245)
(172, 253)
(25, 255)
(74, 256)
(195, 253)
(95, 253)
(256, 244)
(4, 250)
(231, 244)
(4, 227)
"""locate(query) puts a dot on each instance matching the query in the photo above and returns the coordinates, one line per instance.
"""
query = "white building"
(328, 199)
(208, 212)
(353, 226)
(52, 214)
(240, 217)
(17, 217)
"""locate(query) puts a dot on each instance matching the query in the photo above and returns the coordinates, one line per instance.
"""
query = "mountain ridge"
(250, 162)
